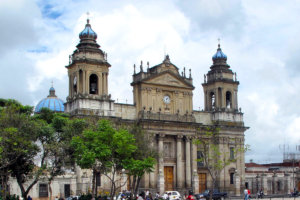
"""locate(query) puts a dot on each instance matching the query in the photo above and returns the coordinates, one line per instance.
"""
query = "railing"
(166, 117)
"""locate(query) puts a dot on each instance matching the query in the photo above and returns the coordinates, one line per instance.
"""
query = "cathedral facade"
(163, 106)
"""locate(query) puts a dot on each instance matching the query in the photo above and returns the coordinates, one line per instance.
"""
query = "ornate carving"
(179, 136)
(161, 136)
(188, 138)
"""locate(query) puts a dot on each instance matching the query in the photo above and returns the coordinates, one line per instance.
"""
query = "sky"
(260, 38)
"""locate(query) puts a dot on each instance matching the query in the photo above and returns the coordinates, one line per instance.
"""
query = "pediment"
(168, 79)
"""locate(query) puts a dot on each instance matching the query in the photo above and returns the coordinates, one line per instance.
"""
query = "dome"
(52, 102)
(219, 54)
(88, 33)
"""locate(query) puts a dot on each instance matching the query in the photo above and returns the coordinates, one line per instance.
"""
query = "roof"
(53, 103)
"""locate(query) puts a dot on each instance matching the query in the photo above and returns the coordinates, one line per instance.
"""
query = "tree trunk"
(133, 185)
(113, 190)
(50, 189)
(93, 183)
(212, 189)
(4, 180)
(137, 185)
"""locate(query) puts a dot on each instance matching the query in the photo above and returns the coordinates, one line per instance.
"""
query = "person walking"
(246, 194)
(190, 196)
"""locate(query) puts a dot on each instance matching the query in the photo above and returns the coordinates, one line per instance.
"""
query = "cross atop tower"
(87, 16)
(219, 42)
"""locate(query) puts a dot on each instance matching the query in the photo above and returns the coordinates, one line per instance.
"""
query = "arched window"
(212, 100)
(80, 84)
(93, 84)
(228, 99)
(75, 85)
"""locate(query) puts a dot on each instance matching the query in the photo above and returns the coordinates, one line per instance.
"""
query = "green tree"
(34, 146)
(104, 149)
(55, 139)
(18, 131)
(214, 158)
(143, 159)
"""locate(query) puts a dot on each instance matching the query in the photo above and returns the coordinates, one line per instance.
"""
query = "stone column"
(179, 161)
(152, 174)
(205, 101)
(87, 82)
(222, 98)
(123, 180)
(161, 178)
(287, 183)
(235, 105)
(106, 83)
(237, 184)
(70, 86)
(188, 161)
(83, 82)
(195, 182)
(152, 178)
(103, 83)
(194, 166)
(274, 183)
(264, 183)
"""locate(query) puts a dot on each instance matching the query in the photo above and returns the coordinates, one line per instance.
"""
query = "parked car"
(174, 195)
(126, 195)
(72, 198)
(216, 195)
(295, 194)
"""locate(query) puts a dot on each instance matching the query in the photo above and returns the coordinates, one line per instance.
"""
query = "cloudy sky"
(260, 38)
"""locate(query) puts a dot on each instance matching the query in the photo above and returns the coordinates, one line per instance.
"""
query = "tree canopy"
(34, 146)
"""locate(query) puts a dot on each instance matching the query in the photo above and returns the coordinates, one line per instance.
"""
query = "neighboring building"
(273, 178)
(163, 106)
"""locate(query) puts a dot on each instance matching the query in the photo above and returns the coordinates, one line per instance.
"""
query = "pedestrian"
(29, 197)
(149, 197)
(169, 196)
(165, 196)
(141, 196)
(190, 196)
(249, 193)
(157, 196)
(246, 194)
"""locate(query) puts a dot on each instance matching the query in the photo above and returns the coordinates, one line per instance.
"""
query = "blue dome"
(88, 33)
(52, 102)
(219, 54)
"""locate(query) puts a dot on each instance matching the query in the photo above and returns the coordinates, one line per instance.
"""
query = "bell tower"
(88, 77)
(220, 85)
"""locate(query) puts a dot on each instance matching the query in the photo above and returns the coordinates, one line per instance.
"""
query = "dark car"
(215, 196)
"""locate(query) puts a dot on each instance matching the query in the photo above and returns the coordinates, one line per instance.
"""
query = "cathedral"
(163, 106)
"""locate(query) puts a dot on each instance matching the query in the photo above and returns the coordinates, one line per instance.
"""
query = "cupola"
(88, 32)
(52, 102)
(219, 56)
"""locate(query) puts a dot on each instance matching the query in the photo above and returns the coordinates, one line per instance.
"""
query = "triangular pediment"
(168, 79)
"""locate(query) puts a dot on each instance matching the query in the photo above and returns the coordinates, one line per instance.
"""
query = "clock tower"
(162, 89)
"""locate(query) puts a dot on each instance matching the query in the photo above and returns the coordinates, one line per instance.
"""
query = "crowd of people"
(166, 196)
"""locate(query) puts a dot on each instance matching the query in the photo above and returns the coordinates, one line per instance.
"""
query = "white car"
(174, 195)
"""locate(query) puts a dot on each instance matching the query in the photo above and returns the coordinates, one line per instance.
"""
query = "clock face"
(167, 99)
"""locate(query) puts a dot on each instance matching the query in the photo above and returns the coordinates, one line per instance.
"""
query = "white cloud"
(260, 39)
